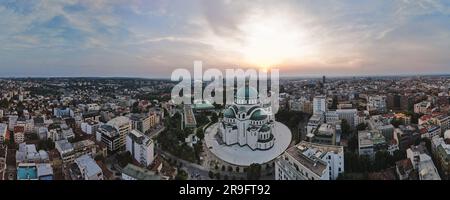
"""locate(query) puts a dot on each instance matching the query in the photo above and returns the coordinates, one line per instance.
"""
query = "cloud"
(155, 36)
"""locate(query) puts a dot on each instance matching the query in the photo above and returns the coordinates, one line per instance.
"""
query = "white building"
(248, 122)
(320, 105)
(65, 150)
(422, 162)
(3, 132)
(90, 127)
(350, 115)
(314, 122)
(443, 121)
(63, 112)
(123, 126)
(422, 107)
(12, 121)
(141, 147)
(376, 103)
(88, 168)
(332, 117)
(27, 153)
(309, 161)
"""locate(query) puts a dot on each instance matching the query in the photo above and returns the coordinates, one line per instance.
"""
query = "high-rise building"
(141, 147)
(320, 105)
(109, 136)
(123, 126)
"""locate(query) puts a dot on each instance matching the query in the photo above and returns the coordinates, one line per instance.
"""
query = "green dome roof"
(229, 113)
(247, 93)
(264, 128)
(258, 115)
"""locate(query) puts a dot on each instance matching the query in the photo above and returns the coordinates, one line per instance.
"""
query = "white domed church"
(248, 122)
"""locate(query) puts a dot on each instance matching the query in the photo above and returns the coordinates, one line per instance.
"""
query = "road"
(191, 168)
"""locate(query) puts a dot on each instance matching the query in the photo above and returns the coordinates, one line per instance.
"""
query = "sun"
(269, 41)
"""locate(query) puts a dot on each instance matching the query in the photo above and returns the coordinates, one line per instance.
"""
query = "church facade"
(248, 121)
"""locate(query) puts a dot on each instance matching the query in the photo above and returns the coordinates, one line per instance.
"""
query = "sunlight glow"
(269, 41)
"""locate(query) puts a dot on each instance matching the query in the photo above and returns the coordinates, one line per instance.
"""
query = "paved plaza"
(244, 156)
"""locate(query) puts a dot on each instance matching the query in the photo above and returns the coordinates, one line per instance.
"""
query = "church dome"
(229, 113)
(258, 115)
(264, 128)
(247, 93)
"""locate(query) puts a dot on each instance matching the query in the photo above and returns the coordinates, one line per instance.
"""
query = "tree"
(217, 176)
(211, 174)
(345, 126)
(46, 145)
(98, 157)
(382, 159)
(254, 172)
(361, 127)
(4, 103)
(334, 103)
(214, 117)
(124, 158)
(200, 134)
(181, 175)
(396, 122)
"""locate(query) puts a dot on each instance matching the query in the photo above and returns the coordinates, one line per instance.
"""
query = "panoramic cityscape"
(88, 90)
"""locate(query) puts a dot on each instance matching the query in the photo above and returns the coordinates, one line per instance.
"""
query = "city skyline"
(152, 38)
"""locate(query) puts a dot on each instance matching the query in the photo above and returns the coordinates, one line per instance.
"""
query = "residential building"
(405, 136)
(63, 112)
(443, 121)
(377, 103)
(85, 168)
(422, 107)
(141, 147)
(90, 126)
(109, 136)
(405, 170)
(133, 172)
(65, 150)
(350, 115)
(4, 133)
(320, 105)
(123, 125)
(370, 142)
(19, 137)
(378, 122)
(70, 151)
(328, 134)
(422, 162)
(27, 153)
(141, 122)
(441, 153)
(309, 161)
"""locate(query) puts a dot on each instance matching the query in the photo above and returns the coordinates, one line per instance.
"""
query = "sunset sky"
(151, 38)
